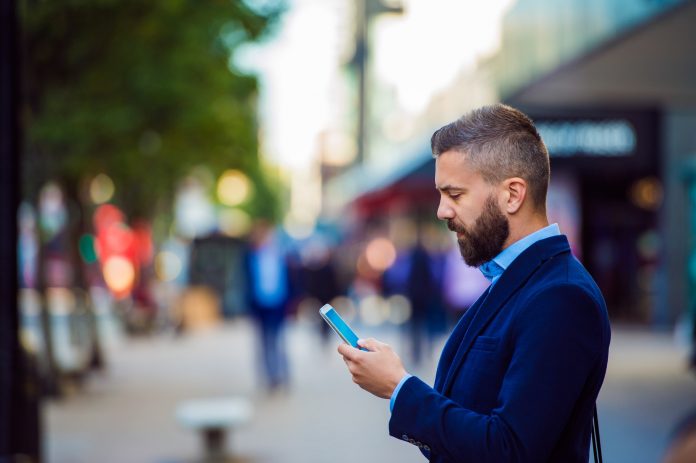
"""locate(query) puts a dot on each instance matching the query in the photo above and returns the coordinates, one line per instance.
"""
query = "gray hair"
(501, 142)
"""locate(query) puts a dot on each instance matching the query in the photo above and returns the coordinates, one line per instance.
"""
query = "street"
(127, 413)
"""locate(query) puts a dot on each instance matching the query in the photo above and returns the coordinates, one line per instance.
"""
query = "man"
(518, 378)
(268, 295)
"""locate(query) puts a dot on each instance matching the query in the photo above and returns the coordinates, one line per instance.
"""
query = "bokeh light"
(101, 189)
(647, 193)
(53, 214)
(399, 309)
(233, 188)
(87, 248)
(298, 228)
(234, 222)
(168, 266)
(345, 307)
(117, 239)
(380, 254)
(338, 149)
(194, 213)
(106, 215)
(374, 310)
(119, 275)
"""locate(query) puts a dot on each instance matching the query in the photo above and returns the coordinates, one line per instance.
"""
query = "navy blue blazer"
(519, 376)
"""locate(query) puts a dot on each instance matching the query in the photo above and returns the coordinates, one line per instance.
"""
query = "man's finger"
(342, 349)
(371, 344)
(347, 351)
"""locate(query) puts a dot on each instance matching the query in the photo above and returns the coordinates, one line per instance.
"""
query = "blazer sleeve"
(556, 344)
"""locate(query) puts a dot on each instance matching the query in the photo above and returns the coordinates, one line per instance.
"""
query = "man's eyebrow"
(448, 188)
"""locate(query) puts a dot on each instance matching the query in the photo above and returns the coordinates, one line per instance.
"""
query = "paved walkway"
(127, 413)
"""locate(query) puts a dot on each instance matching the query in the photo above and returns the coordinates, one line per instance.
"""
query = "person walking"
(268, 296)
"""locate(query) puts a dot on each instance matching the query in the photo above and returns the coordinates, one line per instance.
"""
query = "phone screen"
(335, 321)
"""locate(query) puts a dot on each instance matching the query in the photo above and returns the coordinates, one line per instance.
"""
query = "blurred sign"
(585, 138)
(615, 137)
(217, 262)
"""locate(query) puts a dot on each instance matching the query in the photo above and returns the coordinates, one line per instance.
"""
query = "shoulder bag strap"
(596, 443)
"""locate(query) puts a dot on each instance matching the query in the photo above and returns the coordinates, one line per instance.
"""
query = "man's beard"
(486, 238)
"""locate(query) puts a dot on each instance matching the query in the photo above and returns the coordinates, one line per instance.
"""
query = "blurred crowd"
(80, 294)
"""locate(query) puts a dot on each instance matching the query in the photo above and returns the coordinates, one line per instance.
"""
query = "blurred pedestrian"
(423, 292)
(268, 297)
(519, 375)
(319, 279)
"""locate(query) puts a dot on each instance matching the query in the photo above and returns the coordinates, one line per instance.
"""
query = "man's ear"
(515, 194)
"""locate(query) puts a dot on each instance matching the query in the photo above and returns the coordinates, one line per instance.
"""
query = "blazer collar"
(514, 277)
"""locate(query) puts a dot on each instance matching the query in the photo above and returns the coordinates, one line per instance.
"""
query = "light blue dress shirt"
(509, 254)
(494, 268)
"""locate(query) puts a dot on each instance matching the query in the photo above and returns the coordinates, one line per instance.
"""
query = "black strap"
(596, 442)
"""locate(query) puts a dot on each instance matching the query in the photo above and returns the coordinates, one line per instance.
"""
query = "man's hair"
(501, 142)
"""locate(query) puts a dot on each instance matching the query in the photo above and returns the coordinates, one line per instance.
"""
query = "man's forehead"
(453, 170)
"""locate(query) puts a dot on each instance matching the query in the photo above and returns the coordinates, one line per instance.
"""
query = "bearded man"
(520, 373)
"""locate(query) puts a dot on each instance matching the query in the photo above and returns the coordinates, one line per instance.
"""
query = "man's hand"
(377, 371)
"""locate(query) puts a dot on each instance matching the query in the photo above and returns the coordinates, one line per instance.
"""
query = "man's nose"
(444, 212)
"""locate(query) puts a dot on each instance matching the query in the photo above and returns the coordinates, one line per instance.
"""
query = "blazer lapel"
(450, 349)
(513, 278)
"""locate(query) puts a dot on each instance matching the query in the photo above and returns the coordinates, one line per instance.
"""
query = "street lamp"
(366, 10)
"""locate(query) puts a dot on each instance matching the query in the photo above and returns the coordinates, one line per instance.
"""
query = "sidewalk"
(646, 392)
(127, 414)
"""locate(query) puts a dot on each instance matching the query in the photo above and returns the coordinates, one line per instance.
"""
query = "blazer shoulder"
(564, 281)
(574, 305)
(564, 271)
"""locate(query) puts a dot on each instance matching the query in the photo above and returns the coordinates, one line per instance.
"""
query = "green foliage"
(142, 91)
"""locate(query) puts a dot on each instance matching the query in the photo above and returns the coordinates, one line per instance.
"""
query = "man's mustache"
(454, 227)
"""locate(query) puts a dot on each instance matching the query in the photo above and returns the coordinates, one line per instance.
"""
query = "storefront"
(637, 234)
(620, 122)
(606, 191)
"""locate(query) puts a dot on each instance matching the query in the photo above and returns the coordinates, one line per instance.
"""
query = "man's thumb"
(369, 344)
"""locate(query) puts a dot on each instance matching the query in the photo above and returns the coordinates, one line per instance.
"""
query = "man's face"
(468, 204)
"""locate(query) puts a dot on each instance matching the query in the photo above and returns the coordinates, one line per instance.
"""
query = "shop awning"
(408, 184)
(651, 65)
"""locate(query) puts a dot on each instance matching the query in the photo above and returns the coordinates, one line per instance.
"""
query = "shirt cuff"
(396, 391)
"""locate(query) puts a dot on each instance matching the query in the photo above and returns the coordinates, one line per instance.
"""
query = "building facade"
(611, 85)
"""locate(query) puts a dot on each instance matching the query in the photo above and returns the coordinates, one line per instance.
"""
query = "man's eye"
(455, 195)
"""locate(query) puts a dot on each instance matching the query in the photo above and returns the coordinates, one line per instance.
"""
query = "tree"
(143, 91)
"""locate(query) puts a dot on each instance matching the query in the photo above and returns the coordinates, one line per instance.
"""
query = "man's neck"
(522, 227)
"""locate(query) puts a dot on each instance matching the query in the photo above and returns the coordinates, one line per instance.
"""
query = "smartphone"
(330, 316)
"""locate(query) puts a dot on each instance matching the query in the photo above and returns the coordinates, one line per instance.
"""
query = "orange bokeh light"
(380, 254)
(119, 275)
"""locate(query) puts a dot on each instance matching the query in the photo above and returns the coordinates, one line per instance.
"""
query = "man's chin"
(469, 260)
(471, 257)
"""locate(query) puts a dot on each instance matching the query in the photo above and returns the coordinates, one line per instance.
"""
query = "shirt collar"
(509, 254)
